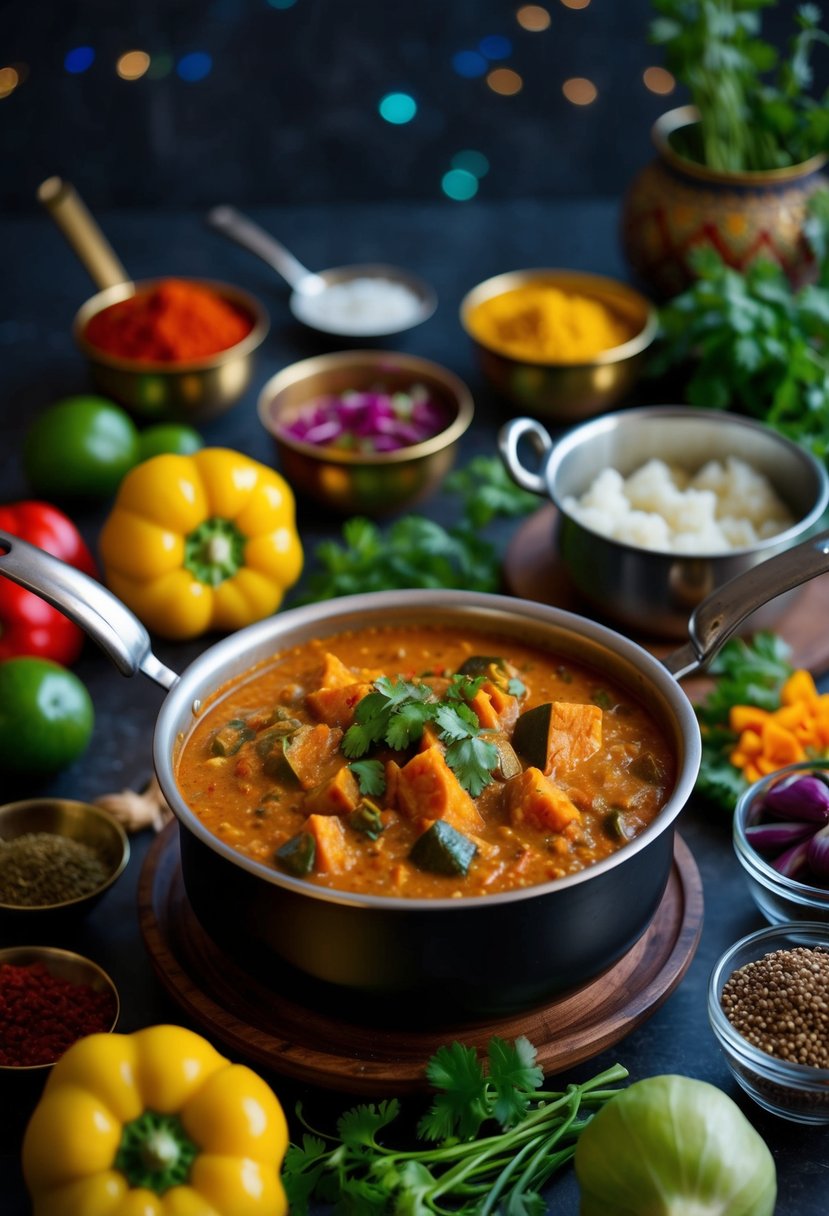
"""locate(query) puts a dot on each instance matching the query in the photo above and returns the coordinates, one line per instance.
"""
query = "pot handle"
(87, 602)
(509, 438)
(717, 617)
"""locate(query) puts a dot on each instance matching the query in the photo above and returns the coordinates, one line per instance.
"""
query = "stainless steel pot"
(418, 958)
(649, 590)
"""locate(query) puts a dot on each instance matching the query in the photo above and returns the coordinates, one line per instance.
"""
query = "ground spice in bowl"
(42, 1014)
(42, 868)
(175, 321)
(780, 1004)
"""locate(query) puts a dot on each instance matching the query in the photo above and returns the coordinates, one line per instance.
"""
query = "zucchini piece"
(647, 768)
(508, 763)
(229, 738)
(481, 665)
(616, 826)
(366, 819)
(443, 850)
(531, 736)
(298, 854)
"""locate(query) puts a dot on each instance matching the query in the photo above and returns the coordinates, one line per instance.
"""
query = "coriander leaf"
(472, 761)
(452, 724)
(406, 724)
(359, 1126)
(489, 492)
(370, 776)
(514, 1076)
(414, 1184)
(463, 1106)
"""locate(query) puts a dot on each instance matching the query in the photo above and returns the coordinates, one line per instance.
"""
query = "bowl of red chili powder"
(172, 348)
(49, 999)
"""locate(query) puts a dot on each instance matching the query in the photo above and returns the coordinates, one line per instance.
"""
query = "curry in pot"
(425, 762)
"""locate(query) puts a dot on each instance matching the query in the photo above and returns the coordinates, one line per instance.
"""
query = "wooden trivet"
(271, 1029)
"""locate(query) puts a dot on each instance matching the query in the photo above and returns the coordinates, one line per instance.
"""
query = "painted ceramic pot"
(675, 206)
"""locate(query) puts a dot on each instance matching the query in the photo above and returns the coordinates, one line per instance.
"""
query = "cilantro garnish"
(396, 712)
(461, 1170)
(371, 778)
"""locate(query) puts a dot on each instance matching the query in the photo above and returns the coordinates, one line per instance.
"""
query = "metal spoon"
(308, 286)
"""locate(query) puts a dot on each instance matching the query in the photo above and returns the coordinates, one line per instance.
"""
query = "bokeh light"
(79, 59)
(195, 66)
(579, 91)
(533, 17)
(505, 81)
(459, 185)
(575, 3)
(495, 47)
(470, 64)
(658, 80)
(9, 80)
(471, 162)
(132, 65)
(397, 108)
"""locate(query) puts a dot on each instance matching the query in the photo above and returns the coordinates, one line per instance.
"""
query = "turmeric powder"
(770, 739)
(541, 323)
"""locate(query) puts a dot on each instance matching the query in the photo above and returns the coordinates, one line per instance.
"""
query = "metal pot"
(430, 958)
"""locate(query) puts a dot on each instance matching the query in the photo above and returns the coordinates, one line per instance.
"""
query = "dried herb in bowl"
(41, 868)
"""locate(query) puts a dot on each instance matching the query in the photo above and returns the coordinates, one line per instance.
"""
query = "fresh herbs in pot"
(755, 108)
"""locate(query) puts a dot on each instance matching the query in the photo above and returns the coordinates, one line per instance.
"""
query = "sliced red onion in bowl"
(817, 854)
(794, 863)
(771, 837)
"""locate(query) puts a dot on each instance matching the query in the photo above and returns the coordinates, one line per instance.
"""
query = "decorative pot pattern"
(676, 206)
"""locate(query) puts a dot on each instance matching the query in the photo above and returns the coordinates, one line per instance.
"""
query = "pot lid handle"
(723, 611)
(87, 602)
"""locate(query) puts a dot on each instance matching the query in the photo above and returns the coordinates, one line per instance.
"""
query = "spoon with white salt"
(364, 301)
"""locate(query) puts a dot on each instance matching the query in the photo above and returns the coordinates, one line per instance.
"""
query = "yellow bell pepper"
(201, 542)
(154, 1123)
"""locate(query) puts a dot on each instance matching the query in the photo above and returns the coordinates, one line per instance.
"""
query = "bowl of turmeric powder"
(560, 344)
(171, 349)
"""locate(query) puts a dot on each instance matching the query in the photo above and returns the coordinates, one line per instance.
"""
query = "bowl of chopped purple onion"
(781, 838)
(365, 432)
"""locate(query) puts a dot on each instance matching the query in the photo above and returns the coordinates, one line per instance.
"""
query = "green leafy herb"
(530, 1134)
(370, 777)
(755, 108)
(753, 344)
(418, 552)
(747, 673)
(397, 711)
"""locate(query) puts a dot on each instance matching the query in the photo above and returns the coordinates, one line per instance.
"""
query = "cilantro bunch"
(396, 712)
(747, 673)
(494, 1139)
(756, 109)
(415, 551)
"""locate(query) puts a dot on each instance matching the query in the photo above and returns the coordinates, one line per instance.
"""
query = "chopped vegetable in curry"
(423, 762)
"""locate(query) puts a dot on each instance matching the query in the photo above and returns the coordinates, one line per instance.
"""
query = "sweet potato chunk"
(495, 709)
(427, 788)
(336, 705)
(335, 674)
(338, 795)
(558, 734)
(333, 855)
(533, 798)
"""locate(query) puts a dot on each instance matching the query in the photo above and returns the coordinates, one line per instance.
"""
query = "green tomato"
(46, 716)
(168, 437)
(80, 447)
(675, 1146)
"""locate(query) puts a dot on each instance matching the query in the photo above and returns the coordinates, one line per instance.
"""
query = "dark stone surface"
(453, 248)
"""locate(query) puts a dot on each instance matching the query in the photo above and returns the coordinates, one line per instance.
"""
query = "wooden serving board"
(267, 1026)
(533, 571)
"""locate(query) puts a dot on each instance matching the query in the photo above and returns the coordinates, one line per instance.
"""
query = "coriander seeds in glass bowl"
(768, 1004)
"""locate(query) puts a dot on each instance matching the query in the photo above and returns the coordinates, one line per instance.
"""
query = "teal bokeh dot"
(459, 184)
(397, 108)
(472, 162)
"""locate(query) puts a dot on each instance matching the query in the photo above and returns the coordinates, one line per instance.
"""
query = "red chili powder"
(173, 322)
(42, 1015)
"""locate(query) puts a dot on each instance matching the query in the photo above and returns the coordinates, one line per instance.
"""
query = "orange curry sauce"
(604, 771)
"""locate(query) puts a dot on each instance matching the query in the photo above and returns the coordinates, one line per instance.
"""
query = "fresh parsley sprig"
(534, 1134)
(396, 712)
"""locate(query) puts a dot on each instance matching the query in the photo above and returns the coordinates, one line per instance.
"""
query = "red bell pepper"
(28, 625)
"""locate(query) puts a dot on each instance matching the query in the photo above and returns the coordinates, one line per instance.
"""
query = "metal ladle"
(307, 285)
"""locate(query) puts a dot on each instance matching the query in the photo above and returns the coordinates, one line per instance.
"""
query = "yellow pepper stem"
(214, 551)
(155, 1152)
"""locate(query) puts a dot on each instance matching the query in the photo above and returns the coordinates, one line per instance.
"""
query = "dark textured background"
(288, 112)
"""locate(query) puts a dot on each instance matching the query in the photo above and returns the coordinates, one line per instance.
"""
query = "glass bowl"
(779, 898)
(795, 1091)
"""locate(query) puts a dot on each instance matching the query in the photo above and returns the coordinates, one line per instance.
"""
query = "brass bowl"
(63, 817)
(565, 392)
(65, 965)
(358, 482)
(183, 392)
